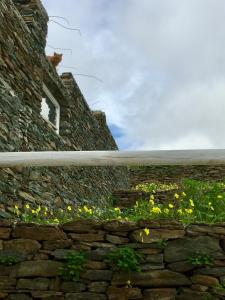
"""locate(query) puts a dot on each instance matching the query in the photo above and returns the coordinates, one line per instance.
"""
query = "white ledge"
(113, 158)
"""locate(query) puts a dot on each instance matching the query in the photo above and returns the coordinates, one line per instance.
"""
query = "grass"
(198, 201)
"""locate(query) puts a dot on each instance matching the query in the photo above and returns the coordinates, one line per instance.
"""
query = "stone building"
(28, 82)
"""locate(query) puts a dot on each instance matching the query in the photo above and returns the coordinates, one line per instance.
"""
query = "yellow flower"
(184, 194)
(166, 210)
(180, 212)
(147, 231)
(176, 195)
(128, 282)
(210, 203)
(85, 208)
(27, 206)
(156, 210)
(189, 210)
(152, 197)
(56, 220)
(191, 202)
(171, 205)
(38, 209)
(69, 207)
(117, 209)
(152, 202)
(33, 211)
(45, 208)
(219, 196)
(16, 207)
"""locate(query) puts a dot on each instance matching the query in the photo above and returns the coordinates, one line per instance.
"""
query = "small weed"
(8, 260)
(74, 264)
(199, 258)
(162, 244)
(125, 259)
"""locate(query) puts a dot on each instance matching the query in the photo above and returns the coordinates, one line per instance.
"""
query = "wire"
(91, 76)
(68, 23)
(63, 49)
(68, 28)
(81, 74)
(65, 67)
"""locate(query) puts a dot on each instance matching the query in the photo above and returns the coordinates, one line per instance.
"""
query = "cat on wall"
(55, 59)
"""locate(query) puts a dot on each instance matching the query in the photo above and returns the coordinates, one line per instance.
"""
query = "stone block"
(25, 246)
(39, 233)
(42, 268)
(40, 284)
(157, 278)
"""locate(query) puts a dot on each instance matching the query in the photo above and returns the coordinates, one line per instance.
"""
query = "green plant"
(125, 259)
(220, 287)
(8, 260)
(199, 258)
(74, 264)
(162, 244)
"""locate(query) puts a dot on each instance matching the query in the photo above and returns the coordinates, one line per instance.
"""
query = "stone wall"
(174, 174)
(23, 70)
(166, 268)
(125, 199)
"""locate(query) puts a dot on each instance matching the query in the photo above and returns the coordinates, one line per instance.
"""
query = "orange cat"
(55, 59)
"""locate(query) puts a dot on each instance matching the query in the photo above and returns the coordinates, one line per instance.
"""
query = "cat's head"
(58, 55)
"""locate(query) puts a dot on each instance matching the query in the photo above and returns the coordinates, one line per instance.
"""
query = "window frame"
(56, 105)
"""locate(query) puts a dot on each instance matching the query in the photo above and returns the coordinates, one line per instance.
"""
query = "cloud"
(162, 64)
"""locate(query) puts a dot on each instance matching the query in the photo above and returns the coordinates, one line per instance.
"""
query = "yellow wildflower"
(147, 231)
(129, 283)
(33, 211)
(152, 197)
(180, 212)
(117, 209)
(189, 210)
(176, 196)
(85, 208)
(156, 210)
(171, 205)
(27, 206)
(219, 196)
(38, 209)
(69, 207)
(16, 207)
(152, 202)
(191, 202)
(166, 210)
(184, 194)
(56, 220)
(45, 208)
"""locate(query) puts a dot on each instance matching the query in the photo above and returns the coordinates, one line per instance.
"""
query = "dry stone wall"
(167, 271)
(23, 70)
(174, 174)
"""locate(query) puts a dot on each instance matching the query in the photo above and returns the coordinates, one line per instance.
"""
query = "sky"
(161, 64)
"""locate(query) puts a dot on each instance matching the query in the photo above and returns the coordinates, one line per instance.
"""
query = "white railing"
(113, 158)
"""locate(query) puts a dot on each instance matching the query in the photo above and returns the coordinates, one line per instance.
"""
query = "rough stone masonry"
(23, 70)
(166, 270)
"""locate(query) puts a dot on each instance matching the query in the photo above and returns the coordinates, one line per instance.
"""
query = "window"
(50, 109)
